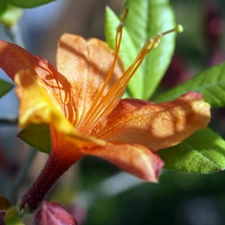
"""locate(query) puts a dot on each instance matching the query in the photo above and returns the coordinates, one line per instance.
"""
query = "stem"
(10, 122)
(52, 170)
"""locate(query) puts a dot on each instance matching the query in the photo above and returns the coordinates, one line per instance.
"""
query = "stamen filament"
(177, 29)
(119, 34)
(103, 105)
(97, 97)
(112, 97)
(124, 15)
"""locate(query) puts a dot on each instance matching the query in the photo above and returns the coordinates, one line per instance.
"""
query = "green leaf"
(128, 51)
(210, 82)
(29, 3)
(38, 136)
(5, 87)
(2, 6)
(145, 19)
(203, 152)
(13, 218)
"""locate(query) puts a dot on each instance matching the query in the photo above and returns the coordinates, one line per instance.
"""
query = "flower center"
(103, 105)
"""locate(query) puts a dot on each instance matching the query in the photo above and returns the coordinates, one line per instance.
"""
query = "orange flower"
(81, 102)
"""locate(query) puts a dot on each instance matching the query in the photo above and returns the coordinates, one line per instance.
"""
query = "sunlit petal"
(155, 126)
(13, 59)
(37, 107)
(85, 63)
(132, 158)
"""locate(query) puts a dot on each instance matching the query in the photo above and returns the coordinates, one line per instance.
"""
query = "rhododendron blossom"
(81, 102)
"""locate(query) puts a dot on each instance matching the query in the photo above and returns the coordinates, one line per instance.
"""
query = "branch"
(9, 122)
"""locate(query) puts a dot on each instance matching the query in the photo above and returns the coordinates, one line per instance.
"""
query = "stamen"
(179, 29)
(124, 15)
(103, 106)
(119, 33)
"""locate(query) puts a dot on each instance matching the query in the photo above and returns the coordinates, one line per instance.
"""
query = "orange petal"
(155, 126)
(14, 59)
(37, 107)
(86, 65)
(133, 158)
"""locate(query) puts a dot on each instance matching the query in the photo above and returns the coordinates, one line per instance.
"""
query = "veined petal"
(37, 107)
(85, 63)
(13, 59)
(133, 158)
(155, 126)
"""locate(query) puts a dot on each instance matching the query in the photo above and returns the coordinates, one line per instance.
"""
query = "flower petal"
(86, 65)
(37, 107)
(14, 59)
(134, 159)
(155, 126)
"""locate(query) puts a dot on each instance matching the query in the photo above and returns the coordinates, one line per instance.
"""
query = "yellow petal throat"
(37, 107)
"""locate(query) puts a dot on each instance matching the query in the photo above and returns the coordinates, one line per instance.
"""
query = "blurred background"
(94, 191)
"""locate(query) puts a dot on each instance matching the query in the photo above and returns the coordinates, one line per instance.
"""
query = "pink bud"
(51, 213)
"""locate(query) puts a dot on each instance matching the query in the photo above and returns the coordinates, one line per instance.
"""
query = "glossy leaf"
(2, 6)
(203, 152)
(5, 87)
(128, 52)
(29, 3)
(210, 82)
(146, 18)
(38, 136)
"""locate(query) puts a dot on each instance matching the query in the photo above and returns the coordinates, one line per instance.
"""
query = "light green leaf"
(145, 19)
(5, 87)
(128, 52)
(28, 3)
(210, 82)
(203, 152)
(38, 136)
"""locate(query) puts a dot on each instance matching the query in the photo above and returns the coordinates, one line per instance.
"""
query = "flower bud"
(51, 213)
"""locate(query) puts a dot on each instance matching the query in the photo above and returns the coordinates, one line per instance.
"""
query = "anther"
(124, 15)
(178, 29)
